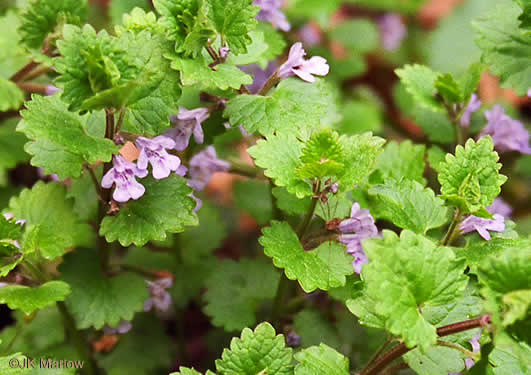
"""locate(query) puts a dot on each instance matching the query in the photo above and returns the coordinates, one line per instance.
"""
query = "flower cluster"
(187, 122)
(358, 227)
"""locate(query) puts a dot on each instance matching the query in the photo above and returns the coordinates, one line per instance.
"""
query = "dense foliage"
(263, 187)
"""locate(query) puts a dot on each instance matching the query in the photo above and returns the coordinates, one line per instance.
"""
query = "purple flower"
(529, 93)
(122, 328)
(293, 340)
(296, 64)
(507, 134)
(482, 226)
(224, 52)
(188, 123)
(260, 75)
(123, 174)
(9, 215)
(203, 166)
(153, 151)
(181, 171)
(160, 298)
(500, 207)
(393, 31)
(51, 89)
(42, 175)
(474, 341)
(270, 12)
(473, 105)
(359, 226)
(310, 35)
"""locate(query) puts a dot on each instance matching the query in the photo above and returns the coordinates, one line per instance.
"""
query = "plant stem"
(284, 283)
(309, 214)
(243, 169)
(32, 87)
(393, 369)
(105, 251)
(96, 183)
(120, 121)
(453, 229)
(21, 74)
(271, 82)
(399, 350)
(139, 270)
(468, 353)
(382, 348)
(37, 72)
(79, 341)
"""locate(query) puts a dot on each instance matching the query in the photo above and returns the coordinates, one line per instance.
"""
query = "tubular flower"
(160, 298)
(499, 209)
(393, 31)
(153, 151)
(203, 166)
(359, 226)
(123, 174)
(270, 12)
(473, 105)
(188, 123)
(507, 134)
(304, 69)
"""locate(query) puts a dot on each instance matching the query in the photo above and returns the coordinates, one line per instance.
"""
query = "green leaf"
(361, 304)
(470, 179)
(6, 365)
(95, 70)
(196, 72)
(275, 42)
(420, 83)
(324, 268)
(235, 291)
(258, 351)
(10, 232)
(294, 106)
(28, 299)
(11, 148)
(470, 80)
(233, 20)
(322, 155)
(314, 328)
(402, 6)
(344, 31)
(408, 205)
(476, 252)
(254, 197)
(321, 359)
(148, 337)
(362, 151)
(97, 299)
(61, 142)
(187, 24)
(290, 203)
(255, 50)
(165, 208)
(439, 359)
(41, 18)
(402, 160)
(449, 89)
(186, 371)
(280, 156)
(199, 241)
(436, 125)
(118, 8)
(11, 97)
(51, 226)
(406, 273)
(506, 47)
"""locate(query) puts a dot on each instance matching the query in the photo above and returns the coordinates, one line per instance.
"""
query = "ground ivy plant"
(242, 187)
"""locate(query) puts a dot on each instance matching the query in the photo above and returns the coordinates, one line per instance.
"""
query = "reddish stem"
(399, 350)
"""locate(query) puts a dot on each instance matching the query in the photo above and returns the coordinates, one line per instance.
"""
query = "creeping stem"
(401, 349)
(79, 340)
